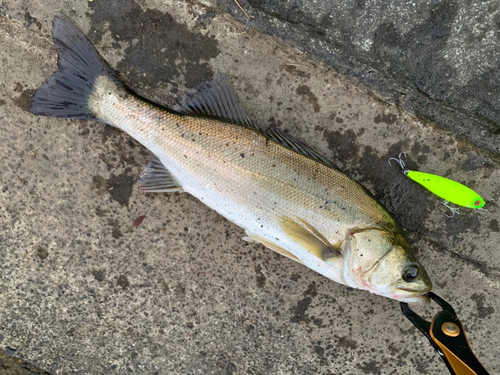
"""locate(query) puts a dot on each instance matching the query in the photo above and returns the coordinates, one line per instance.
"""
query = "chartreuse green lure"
(449, 190)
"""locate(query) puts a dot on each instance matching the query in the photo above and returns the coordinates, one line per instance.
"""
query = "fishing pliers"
(446, 334)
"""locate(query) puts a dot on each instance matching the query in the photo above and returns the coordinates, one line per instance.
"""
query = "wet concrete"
(438, 60)
(84, 289)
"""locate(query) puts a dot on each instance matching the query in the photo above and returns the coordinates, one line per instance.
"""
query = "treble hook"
(400, 162)
(452, 209)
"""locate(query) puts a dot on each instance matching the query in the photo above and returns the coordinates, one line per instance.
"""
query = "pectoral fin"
(252, 237)
(308, 237)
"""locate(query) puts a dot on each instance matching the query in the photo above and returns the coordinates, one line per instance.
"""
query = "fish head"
(383, 263)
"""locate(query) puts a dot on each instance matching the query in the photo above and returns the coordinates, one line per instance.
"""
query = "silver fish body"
(280, 192)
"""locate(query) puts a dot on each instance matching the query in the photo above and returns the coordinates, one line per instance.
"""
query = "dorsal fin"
(214, 97)
(288, 141)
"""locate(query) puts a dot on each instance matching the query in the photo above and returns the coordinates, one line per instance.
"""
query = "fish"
(449, 190)
(284, 195)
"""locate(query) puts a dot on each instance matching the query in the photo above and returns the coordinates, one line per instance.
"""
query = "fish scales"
(282, 193)
(245, 168)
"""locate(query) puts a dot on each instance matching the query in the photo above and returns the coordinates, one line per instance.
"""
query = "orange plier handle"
(446, 334)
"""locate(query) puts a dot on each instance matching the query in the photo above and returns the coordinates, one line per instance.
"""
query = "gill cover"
(382, 262)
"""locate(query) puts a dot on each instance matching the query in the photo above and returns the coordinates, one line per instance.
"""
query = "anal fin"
(157, 179)
(252, 237)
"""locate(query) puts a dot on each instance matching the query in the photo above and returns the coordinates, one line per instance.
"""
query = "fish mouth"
(411, 295)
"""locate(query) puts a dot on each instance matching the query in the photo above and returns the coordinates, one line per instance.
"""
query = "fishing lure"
(449, 190)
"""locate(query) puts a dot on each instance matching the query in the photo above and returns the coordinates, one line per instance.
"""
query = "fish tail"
(69, 93)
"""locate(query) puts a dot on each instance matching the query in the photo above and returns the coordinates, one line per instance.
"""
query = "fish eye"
(477, 203)
(411, 273)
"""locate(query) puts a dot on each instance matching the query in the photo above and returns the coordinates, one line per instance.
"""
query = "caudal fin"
(66, 94)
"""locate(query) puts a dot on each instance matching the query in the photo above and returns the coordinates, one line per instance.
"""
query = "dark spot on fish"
(295, 276)
(482, 310)
(123, 282)
(306, 92)
(24, 100)
(99, 275)
(339, 120)
(2, 102)
(42, 253)
(155, 42)
(388, 119)
(242, 155)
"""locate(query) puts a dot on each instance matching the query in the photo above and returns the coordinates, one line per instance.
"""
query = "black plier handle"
(446, 334)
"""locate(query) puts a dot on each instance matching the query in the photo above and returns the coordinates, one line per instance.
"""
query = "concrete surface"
(84, 292)
(438, 59)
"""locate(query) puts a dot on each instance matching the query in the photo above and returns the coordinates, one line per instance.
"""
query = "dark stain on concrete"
(420, 152)
(30, 20)
(311, 290)
(99, 275)
(388, 119)
(164, 286)
(319, 350)
(10, 365)
(24, 100)
(158, 42)
(119, 187)
(299, 311)
(456, 227)
(473, 163)
(231, 368)
(371, 367)
(42, 253)
(123, 282)
(296, 71)
(306, 92)
(115, 228)
(343, 145)
(493, 225)
(347, 343)
(406, 200)
(260, 278)
(100, 212)
(482, 310)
